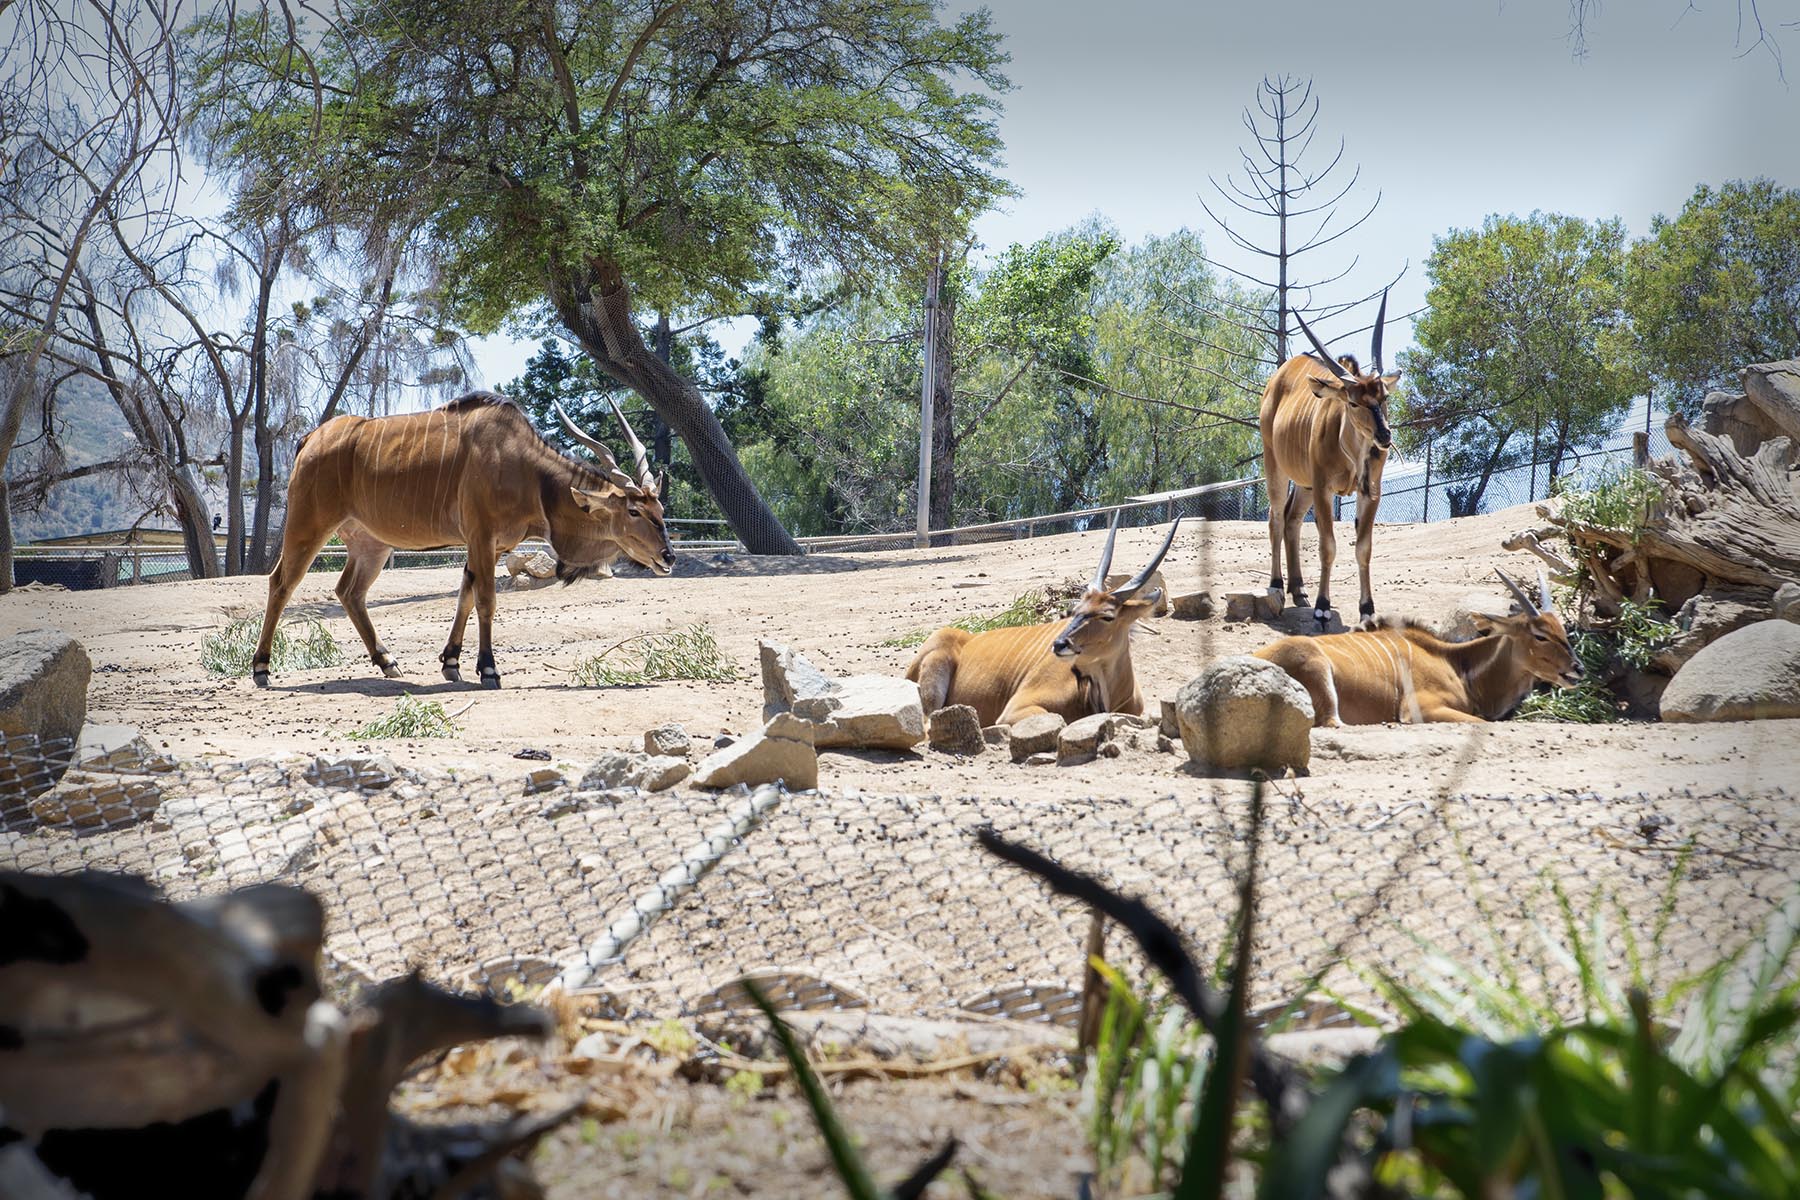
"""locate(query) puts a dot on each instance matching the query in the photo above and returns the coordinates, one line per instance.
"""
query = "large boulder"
(43, 685)
(1749, 674)
(1242, 713)
(783, 751)
(861, 712)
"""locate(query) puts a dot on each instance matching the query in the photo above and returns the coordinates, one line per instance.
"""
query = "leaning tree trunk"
(596, 309)
(1724, 519)
(942, 504)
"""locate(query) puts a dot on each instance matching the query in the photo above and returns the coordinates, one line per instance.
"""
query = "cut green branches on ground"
(412, 718)
(1609, 496)
(1630, 640)
(1027, 608)
(688, 653)
(302, 645)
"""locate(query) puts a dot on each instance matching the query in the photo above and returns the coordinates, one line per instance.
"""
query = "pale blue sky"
(1455, 111)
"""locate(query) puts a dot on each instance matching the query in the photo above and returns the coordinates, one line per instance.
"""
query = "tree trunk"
(942, 511)
(595, 307)
(195, 521)
(6, 538)
(234, 497)
(660, 448)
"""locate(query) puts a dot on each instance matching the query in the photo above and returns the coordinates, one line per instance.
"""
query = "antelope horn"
(1380, 323)
(640, 456)
(1545, 600)
(1112, 531)
(608, 464)
(1324, 355)
(1137, 581)
(1531, 610)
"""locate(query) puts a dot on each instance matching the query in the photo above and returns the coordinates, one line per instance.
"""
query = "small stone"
(544, 779)
(1040, 760)
(588, 864)
(365, 772)
(1240, 606)
(1035, 735)
(1080, 740)
(118, 748)
(104, 801)
(1269, 604)
(1171, 721)
(1787, 602)
(668, 740)
(1191, 606)
(630, 769)
(995, 735)
(1111, 750)
(956, 729)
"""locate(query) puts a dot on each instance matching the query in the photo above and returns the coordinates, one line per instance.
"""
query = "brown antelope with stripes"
(1325, 431)
(473, 473)
(1072, 668)
(1400, 671)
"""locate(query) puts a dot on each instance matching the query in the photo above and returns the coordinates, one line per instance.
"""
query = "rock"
(1034, 735)
(783, 751)
(1155, 582)
(956, 729)
(366, 772)
(1709, 616)
(1786, 603)
(1046, 759)
(544, 779)
(996, 735)
(669, 740)
(1458, 624)
(118, 748)
(1191, 606)
(1269, 604)
(1242, 712)
(1170, 725)
(108, 800)
(43, 694)
(788, 677)
(1774, 389)
(863, 712)
(1240, 606)
(866, 712)
(629, 769)
(1083, 739)
(1750, 674)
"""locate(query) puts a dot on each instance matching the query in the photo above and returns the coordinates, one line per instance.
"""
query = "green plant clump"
(413, 718)
(1631, 638)
(1027, 608)
(689, 653)
(310, 646)
(1610, 496)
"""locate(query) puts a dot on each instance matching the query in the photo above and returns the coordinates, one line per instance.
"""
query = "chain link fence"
(885, 904)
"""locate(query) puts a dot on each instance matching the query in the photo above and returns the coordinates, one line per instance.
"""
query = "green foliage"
(1630, 639)
(688, 653)
(411, 718)
(1524, 348)
(1141, 1087)
(1611, 496)
(229, 651)
(692, 151)
(1027, 608)
(1717, 287)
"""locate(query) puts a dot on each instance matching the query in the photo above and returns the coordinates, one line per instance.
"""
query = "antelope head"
(1101, 623)
(623, 516)
(1540, 644)
(1366, 393)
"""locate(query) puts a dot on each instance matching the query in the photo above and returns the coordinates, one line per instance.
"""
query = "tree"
(1717, 288)
(1523, 346)
(1301, 203)
(597, 157)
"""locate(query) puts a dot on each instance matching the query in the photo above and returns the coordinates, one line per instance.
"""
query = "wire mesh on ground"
(885, 903)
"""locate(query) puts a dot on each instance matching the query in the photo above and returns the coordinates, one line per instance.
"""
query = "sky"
(1455, 110)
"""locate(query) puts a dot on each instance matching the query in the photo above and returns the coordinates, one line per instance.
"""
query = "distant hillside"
(91, 430)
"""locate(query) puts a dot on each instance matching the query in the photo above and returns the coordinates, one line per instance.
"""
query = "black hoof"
(1366, 608)
(453, 674)
(1299, 599)
(260, 678)
(490, 681)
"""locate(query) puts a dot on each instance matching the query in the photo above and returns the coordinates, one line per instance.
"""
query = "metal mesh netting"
(885, 902)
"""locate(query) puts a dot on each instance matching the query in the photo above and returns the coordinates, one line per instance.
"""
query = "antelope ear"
(1145, 601)
(587, 501)
(1485, 624)
(1391, 380)
(1333, 384)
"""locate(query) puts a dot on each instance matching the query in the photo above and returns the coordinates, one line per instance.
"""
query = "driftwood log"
(1726, 519)
(188, 1045)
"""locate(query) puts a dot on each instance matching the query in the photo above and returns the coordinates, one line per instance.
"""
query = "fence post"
(137, 564)
(1640, 449)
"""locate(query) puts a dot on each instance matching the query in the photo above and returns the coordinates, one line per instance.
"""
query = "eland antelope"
(1073, 668)
(1400, 671)
(1324, 429)
(472, 473)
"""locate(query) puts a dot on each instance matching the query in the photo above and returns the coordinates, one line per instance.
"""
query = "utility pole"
(933, 279)
(659, 429)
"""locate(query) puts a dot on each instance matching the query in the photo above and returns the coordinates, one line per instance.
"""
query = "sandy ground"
(838, 609)
(1447, 833)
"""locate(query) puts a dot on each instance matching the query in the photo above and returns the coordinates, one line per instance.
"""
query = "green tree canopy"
(1717, 288)
(587, 155)
(1523, 351)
